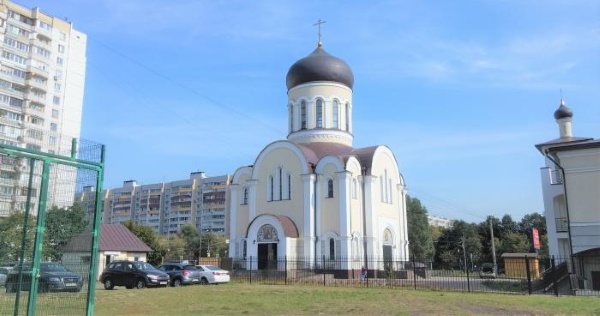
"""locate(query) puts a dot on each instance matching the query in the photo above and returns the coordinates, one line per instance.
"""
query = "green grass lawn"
(236, 299)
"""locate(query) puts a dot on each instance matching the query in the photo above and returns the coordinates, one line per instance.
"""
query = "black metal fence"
(518, 274)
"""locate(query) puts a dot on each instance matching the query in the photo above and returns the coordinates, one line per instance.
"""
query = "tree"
(62, 224)
(449, 247)
(11, 237)
(419, 233)
(173, 246)
(514, 242)
(534, 219)
(148, 236)
(214, 245)
(192, 240)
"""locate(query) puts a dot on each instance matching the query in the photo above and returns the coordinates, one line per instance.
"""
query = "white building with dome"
(313, 196)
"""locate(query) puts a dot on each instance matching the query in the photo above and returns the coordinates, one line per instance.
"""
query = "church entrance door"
(387, 258)
(267, 256)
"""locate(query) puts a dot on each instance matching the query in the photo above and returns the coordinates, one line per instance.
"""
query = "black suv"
(181, 273)
(54, 277)
(132, 274)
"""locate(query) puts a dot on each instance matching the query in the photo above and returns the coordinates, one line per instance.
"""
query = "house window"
(319, 113)
(303, 115)
(336, 110)
(330, 188)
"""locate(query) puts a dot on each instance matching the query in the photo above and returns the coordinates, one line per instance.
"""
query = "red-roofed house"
(116, 243)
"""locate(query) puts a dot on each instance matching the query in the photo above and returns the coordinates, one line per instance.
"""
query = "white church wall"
(268, 166)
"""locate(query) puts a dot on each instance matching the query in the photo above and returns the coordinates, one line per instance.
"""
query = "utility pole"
(493, 246)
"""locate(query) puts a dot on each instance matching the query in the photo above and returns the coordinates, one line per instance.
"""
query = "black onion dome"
(563, 111)
(319, 66)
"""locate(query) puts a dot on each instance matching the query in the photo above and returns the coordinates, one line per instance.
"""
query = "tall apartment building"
(42, 74)
(166, 207)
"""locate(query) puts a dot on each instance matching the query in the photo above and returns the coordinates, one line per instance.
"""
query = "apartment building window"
(52, 140)
(20, 18)
(16, 30)
(59, 61)
(57, 87)
(9, 131)
(14, 58)
(45, 26)
(38, 93)
(4, 98)
(61, 48)
(24, 47)
(55, 113)
(56, 100)
(36, 120)
(42, 51)
(17, 103)
(39, 65)
(63, 36)
(35, 134)
(12, 72)
(14, 116)
(36, 106)
(53, 127)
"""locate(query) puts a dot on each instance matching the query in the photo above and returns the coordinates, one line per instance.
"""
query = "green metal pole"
(95, 239)
(24, 238)
(73, 148)
(39, 239)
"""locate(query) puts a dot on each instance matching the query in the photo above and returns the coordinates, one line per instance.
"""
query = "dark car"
(181, 273)
(488, 271)
(132, 274)
(54, 277)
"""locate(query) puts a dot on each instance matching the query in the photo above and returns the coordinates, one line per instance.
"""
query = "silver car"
(3, 272)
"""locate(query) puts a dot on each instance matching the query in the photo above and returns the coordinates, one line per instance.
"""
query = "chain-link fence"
(50, 206)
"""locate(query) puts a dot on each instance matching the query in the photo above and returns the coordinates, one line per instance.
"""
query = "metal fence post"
(414, 272)
(286, 267)
(323, 269)
(554, 276)
(529, 289)
(39, 239)
(250, 269)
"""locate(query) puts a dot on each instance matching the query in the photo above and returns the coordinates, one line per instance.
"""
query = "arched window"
(390, 189)
(347, 110)
(319, 113)
(336, 114)
(271, 187)
(303, 115)
(245, 197)
(331, 248)
(330, 188)
(280, 182)
(382, 188)
(289, 186)
(354, 188)
(291, 117)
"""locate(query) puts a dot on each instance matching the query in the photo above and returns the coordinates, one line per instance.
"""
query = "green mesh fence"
(50, 205)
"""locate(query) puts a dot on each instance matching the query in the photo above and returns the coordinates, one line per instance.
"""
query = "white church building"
(313, 196)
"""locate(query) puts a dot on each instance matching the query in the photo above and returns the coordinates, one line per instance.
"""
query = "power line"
(188, 88)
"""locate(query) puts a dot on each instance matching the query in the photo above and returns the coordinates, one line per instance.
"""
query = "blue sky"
(460, 90)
